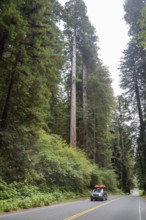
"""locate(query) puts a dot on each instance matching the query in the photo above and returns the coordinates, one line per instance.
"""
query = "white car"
(99, 193)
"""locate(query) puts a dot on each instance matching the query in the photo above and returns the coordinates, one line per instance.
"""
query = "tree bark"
(73, 95)
(6, 105)
(94, 138)
(141, 120)
(2, 43)
(122, 146)
(142, 142)
(85, 109)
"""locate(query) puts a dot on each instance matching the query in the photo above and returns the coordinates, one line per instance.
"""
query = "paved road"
(116, 208)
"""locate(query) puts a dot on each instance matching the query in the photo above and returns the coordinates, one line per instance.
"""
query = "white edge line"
(139, 211)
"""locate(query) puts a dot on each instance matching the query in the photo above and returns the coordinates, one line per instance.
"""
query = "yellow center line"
(90, 210)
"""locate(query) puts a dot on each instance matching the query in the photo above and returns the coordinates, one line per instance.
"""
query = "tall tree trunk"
(142, 142)
(122, 156)
(85, 109)
(122, 146)
(6, 104)
(94, 138)
(2, 43)
(73, 95)
(141, 120)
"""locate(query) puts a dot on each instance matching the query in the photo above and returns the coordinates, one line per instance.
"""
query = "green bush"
(25, 189)
(6, 191)
(141, 192)
(56, 172)
(25, 203)
(36, 200)
(14, 190)
(109, 178)
(61, 165)
(95, 176)
(8, 205)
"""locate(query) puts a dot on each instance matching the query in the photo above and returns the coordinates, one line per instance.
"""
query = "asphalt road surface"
(130, 207)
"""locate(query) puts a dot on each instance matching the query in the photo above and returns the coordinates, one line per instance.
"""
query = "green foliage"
(141, 35)
(101, 104)
(61, 165)
(141, 192)
(29, 75)
(6, 192)
(56, 172)
(133, 78)
(38, 168)
(109, 178)
(133, 12)
(122, 144)
(17, 195)
(15, 189)
(24, 196)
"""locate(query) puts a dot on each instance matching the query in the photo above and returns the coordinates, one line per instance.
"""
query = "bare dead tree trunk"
(85, 109)
(73, 95)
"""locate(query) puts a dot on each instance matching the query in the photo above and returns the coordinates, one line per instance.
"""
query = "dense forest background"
(60, 125)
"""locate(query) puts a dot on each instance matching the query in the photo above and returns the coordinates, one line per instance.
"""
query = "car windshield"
(98, 190)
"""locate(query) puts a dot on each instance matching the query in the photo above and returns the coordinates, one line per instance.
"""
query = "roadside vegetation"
(56, 173)
(142, 192)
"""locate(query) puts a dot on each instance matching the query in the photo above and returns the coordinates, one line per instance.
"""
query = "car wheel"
(103, 198)
(91, 199)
